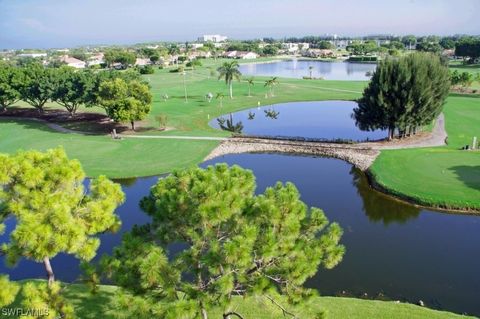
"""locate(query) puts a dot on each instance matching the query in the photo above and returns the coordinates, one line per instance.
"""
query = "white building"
(32, 55)
(96, 59)
(215, 38)
(142, 62)
(244, 55)
(295, 47)
(74, 63)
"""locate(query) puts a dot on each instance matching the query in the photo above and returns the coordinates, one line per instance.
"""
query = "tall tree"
(250, 82)
(271, 83)
(38, 85)
(468, 47)
(229, 71)
(125, 101)
(74, 88)
(10, 82)
(236, 243)
(403, 94)
(44, 192)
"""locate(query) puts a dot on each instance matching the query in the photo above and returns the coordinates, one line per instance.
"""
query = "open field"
(102, 305)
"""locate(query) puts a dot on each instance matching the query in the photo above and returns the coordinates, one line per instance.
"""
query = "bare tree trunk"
(48, 268)
(231, 90)
(133, 125)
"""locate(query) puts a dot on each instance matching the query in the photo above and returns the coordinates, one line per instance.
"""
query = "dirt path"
(437, 137)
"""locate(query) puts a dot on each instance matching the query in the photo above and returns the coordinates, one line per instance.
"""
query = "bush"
(363, 59)
(147, 69)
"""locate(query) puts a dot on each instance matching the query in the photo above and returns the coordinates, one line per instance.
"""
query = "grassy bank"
(102, 305)
(444, 177)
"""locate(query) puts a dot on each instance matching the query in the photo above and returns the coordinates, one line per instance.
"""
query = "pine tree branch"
(285, 311)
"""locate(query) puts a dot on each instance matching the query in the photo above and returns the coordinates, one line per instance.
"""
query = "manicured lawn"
(444, 176)
(103, 155)
(141, 157)
(102, 305)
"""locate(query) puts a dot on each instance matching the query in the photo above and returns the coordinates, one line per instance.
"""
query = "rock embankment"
(356, 154)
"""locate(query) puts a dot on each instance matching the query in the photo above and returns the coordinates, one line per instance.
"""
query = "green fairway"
(142, 157)
(102, 305)
(446, 176)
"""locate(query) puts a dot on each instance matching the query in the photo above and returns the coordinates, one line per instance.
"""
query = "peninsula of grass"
(103, 305)
(443, 177)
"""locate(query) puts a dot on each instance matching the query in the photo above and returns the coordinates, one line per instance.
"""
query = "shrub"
(147, 69)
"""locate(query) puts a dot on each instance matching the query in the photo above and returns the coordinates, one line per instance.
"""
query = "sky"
(69, 23)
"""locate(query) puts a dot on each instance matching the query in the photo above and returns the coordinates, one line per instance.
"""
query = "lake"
(392, 249)
(321, 119)
(300, 68)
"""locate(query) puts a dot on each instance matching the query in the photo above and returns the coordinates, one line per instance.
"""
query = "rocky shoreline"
(357, 154)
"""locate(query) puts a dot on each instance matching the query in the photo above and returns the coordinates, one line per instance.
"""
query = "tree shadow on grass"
(469, 175)
(88, 305)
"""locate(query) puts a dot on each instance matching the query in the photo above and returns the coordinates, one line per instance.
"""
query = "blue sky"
(64, 23)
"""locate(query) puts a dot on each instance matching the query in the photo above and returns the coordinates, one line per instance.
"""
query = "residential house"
(73, 62)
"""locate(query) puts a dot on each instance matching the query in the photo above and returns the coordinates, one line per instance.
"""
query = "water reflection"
(379, 207)
(329, 120)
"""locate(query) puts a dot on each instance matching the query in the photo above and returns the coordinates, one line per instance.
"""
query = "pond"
(393, 249)
(321, 119)
(301, 68)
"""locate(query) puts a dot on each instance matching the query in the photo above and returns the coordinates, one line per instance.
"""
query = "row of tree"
(236, 242)
(123, 95)
(404, 94)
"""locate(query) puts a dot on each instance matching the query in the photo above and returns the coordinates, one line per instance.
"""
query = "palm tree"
(270, 84)
(220, 97)
(250, 83)
(229, 71)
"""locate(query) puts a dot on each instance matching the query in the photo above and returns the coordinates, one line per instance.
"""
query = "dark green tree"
(10, 83)
(73, 88)
(236, 243)
(39, 85)
(468, 47)
(404, 94)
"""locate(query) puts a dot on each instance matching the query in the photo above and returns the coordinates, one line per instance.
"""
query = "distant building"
(319, 53)
(96, 59)
(244, 55)
(295, 47)
(73, 62)
(142, 62)
(32, 55)
(215, 38)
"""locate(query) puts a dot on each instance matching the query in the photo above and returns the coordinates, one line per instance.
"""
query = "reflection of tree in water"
(379, 207)
(271, 113)
(229, 125)
(125, 181)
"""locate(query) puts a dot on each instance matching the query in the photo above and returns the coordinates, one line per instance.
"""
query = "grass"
(445, 177)
(102, 305)
(143, 157)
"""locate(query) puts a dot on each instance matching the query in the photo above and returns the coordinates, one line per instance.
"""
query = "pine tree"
(237, 243)
(404, 94)
(44, 192)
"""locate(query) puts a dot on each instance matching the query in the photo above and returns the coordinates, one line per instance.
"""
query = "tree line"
(123, 95)
(404, 94)
(236, 243)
